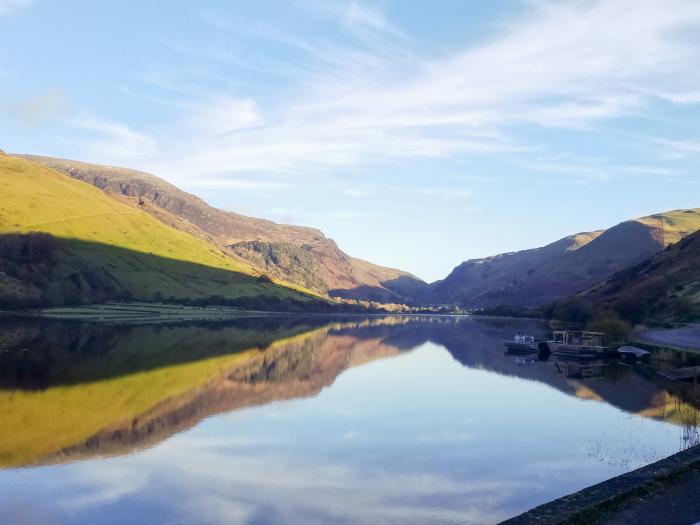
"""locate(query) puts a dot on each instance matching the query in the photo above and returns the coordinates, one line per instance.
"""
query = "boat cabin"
(581, 338)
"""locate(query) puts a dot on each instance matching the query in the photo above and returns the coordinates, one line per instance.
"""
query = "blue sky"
(416, 134)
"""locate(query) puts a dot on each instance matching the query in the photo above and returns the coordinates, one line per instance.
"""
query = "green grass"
(145, 255)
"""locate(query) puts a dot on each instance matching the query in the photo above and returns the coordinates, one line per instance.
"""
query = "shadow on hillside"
(38, 270)
(403, 289)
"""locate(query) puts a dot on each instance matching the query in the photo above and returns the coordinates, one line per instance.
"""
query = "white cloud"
(240, 184)
(356, 193)
(38, 109)
(9, 6)
(567, 64)
(367, 18)
(226, 115)
(682, 148)
(116, 142)
(443, 193)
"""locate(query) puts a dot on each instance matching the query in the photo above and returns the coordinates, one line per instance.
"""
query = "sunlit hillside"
(103, 244)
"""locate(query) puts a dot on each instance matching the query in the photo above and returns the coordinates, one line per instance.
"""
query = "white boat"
(522, 343)
(633, 352)
(581, 345)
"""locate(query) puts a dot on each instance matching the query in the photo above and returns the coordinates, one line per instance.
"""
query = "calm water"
(312, 421)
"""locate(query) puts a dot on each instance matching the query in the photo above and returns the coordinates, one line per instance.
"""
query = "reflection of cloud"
(246, 489)
(115, 480)
(447, 436)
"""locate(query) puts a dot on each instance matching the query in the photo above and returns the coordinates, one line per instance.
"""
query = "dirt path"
(686, 338)
(63, 219)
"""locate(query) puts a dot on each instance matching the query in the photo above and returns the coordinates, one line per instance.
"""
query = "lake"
(292, 420)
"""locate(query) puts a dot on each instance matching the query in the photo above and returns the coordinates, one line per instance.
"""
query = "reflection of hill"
(478, 343)
(36, 354)
(83, 390)
(292, 369)
(216, 368)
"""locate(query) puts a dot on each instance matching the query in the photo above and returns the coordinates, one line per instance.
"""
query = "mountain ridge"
(538, 276)
(334, 272)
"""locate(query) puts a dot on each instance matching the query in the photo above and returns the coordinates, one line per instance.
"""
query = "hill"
(663, 288)
(536, 277)
(63, 241)
(301, 255)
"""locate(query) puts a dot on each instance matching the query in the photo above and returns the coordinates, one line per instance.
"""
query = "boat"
(632, 352)
(580, 345)
(522, 343)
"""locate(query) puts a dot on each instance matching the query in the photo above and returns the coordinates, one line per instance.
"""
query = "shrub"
(572, 310)
(610, 322)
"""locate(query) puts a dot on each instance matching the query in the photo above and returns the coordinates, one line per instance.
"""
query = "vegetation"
(304, 256)
(509, 311)
(283, 260)
(94, 247)
(610, 323)
(662, 289)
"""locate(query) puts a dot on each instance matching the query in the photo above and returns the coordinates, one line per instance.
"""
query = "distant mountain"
(63, 241)
(536, 277)
(300, 255)
(665, 287)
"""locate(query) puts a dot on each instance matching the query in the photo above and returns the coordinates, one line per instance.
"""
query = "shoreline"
(594, 503)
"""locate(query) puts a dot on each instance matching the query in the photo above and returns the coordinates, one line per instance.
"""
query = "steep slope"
(297, 254)
(665, 287)
(533, 278)
(64, 241)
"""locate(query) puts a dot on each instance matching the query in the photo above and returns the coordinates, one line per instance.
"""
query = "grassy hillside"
(100, 243)
(533, 278)
(663, 288)
(301, 255)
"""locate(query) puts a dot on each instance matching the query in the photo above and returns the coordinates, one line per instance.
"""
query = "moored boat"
(632, 352)
(580, 345)
(522, 343)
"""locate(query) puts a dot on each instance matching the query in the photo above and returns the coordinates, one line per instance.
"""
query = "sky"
(415, 134)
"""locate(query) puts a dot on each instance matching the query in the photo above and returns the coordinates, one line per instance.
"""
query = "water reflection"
(453, 431)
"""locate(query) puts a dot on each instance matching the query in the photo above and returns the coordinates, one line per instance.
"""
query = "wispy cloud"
(9, 6)
(681, 148)
(117, 142)
(40, 108)
(565, 65)
(239, 184)
(356, 193)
